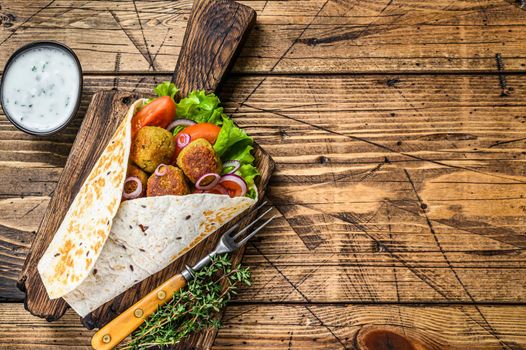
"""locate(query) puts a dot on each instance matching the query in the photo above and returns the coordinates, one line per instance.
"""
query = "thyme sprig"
(193, 308)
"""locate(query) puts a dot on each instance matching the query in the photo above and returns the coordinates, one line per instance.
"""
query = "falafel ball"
(197, 159)
(171, 182)
(152, 146)
(131, 186)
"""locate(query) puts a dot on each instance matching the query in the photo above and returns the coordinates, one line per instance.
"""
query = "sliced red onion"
(183, 140)
(161, 169)
(209, 185)
(238, 180)
(177, 122)
(232, 163)
(138, 189)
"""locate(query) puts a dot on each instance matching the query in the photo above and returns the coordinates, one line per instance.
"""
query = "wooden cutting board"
(215, 32)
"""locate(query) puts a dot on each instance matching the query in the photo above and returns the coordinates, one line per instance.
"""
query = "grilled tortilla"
(103, 246)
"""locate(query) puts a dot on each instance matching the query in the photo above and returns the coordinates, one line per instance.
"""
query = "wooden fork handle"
(120, 327)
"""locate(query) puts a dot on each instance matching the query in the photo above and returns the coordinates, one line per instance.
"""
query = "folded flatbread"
(103, 246)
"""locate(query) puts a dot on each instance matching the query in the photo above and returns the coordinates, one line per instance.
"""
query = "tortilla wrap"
(103, 246)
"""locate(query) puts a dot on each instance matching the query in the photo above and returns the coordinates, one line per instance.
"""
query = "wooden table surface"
(399, 133)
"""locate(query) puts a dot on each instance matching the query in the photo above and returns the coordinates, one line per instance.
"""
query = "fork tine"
(244, 240)
(236, 226)
(245, 229)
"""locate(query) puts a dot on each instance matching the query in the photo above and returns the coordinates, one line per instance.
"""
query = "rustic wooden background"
(399, 133)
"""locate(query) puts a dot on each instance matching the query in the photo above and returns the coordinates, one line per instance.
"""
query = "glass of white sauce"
(41, 87)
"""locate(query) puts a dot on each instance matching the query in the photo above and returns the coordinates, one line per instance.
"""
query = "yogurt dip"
(41, 87)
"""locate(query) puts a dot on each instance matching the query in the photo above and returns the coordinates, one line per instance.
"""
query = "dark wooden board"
(214, 33)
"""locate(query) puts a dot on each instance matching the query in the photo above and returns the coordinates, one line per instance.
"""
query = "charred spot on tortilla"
(142, 250)
(94, 272)
(143, 228)
(143, 206)
(188, 217)
(178, 238)
(123, 246)
(131, 267)
(56, 255)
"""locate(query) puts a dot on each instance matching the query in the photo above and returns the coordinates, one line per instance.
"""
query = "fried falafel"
(197, 159)
(152, 146)
(172, 182)
(131, 186)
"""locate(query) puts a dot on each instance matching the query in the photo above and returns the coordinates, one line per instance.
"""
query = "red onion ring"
(177, 122)
(161, 169)
(137, 192)
(232, 163)
(238, 180)
(183, 140)
(210, 184)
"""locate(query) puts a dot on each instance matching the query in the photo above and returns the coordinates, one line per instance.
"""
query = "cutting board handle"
(215, 33)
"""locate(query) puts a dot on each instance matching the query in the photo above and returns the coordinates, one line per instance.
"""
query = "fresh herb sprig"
(193, 308)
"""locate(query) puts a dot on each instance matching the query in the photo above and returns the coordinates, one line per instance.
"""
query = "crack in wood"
(505, 90)
(26, 21)
(498, 234)
(117, 69)
(144, 54)
(151, 61)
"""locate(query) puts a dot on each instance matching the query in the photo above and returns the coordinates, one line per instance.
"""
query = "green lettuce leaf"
(201, 108)
(251, 193)
(248, 172)
(166, 89)
(241, 151)
(229, 136)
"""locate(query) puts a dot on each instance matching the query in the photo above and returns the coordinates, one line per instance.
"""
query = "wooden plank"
(337, 327)
(305, 327)
(291, 36)
(346, 212)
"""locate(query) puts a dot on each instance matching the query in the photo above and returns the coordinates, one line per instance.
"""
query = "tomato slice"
(206, 131)
(233, 189)
(160, 112)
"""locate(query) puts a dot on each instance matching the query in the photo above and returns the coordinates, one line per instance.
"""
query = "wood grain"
(303, 326)
(214, 36)
(401, 197)
(344, 211)
(318, 36)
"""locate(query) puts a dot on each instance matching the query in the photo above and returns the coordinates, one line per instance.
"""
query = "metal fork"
(230, 241)
(120, 327)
